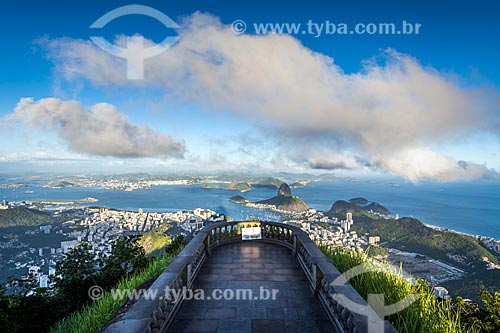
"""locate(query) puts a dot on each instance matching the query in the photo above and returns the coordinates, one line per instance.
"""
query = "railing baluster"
(184, 268)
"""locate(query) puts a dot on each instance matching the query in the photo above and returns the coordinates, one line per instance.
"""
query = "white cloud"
(100, 130)
(389, 113)
(421, 163)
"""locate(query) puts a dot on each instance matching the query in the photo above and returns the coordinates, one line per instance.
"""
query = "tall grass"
(426, 314)
(94, 316)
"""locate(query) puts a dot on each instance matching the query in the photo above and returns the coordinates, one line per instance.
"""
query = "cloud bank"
(100, 130)
(387, 116)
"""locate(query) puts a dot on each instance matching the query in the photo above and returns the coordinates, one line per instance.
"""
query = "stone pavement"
(259, 267)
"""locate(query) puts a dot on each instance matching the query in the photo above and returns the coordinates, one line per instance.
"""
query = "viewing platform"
(221, 283)
(254, 266)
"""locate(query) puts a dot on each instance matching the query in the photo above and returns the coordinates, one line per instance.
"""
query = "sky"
(328, 96)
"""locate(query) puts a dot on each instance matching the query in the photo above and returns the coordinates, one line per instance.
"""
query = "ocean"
(472, 208)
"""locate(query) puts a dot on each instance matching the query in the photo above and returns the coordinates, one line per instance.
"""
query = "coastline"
(446, 229)
(476, 219)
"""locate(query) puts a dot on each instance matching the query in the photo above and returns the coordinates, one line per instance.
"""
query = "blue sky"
(457, 45)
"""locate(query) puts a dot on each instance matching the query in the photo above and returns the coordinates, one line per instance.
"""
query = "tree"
(176, 245)
(492, 304)
(75, 274)
(26, 310)
(477, 319)
(127, 256)
(32, 309)
(25, 285)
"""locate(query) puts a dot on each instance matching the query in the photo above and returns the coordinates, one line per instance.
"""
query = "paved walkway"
(253, 265)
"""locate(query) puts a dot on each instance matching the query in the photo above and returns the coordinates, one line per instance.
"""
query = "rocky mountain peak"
(284, 190)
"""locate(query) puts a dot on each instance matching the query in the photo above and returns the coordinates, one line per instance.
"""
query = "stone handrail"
(155, 315)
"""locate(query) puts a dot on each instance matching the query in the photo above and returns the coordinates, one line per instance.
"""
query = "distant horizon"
(465, 207)
(308, 176)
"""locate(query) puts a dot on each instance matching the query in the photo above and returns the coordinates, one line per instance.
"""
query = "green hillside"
(357, 207)
(411, 235)
(154, 241)
(270, 182)
(22, 216)
(468, 287)
(238, 186)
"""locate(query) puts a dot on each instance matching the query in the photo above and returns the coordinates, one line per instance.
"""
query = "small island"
(232, 186)
(59, 184)
(239, 200)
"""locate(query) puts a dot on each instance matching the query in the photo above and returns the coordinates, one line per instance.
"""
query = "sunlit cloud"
(100, 130)
(388, 115)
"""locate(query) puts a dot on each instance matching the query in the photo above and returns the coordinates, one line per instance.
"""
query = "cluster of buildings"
(256, 205)
(99, 227)
(123, 183)
(331, 231)
(15, 185)
(490, 243)
(4, 204)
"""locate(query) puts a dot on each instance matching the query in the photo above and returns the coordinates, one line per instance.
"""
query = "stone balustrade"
(155, 315)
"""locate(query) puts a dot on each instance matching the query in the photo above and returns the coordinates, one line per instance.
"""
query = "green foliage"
(28, 314)
(269, 182)
(42, 240)
(76, 273)
(94, 316)
(470, 285)
(22, 216)
(340, 207)
(492, 304)
(176, 245)
(126, 266)
(485, 319)
(23, 286)
(155, 241)
(127, 256)
(376, 251)
(286, 203)
(238, 186)
(26, 310)
(426, 314)
(409, 234)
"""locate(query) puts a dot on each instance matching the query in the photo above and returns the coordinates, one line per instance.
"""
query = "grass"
(94, 316)
(155, 241)
(426, 314)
